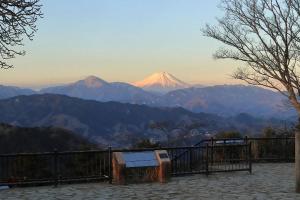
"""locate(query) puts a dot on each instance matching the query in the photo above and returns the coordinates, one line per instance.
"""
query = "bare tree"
(264, 35)
(17, 21)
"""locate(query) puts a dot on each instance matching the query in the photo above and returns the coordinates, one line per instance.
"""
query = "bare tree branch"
(265, 36)
(17, 21)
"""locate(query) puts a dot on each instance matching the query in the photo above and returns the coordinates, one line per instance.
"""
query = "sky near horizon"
(121, 40)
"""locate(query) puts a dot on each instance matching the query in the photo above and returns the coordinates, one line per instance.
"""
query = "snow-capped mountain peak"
(161, 82)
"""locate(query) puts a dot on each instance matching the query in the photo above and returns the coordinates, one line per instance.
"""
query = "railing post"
(247, 142)
(212, 151)
(297, 157)
(110, 164)
(55, 154)
(191, 159)
(250, 158)
(207, 160)
(286, 149)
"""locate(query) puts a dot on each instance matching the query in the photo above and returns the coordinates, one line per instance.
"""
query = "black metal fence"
(208, 156)
(55, 167)
(273, 149)
(188, 160)
(211, 158)
(279, 149)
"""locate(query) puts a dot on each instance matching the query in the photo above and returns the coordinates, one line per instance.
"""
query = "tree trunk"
(297, 157)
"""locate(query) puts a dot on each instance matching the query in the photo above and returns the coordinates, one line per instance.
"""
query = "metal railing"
(208, 156)
(54, 167)
(273, 149)
(211, 158)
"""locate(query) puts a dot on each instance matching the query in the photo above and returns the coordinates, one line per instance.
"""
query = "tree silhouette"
(264, 35)
(17, 21)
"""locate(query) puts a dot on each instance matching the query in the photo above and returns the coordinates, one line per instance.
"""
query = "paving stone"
(268, 181)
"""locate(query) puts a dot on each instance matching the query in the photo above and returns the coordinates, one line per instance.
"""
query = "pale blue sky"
(120, 40)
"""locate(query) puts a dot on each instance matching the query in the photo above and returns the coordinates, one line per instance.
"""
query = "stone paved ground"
(268, 181)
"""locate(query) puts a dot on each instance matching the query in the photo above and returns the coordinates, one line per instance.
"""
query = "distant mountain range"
(230, 100)
(95, 88)
(223, 100)
(9, 91)
(119, 124)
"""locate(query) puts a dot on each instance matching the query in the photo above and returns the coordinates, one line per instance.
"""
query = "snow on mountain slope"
(161, 82)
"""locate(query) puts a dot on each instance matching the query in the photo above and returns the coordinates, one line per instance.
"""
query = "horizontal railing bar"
(249, 138)
(278, 138)
(229, 170)
(52, 153)
(50, 181)
(230, 160)
(39, 182)
(189, 173)
(227, 145)
(153, 149)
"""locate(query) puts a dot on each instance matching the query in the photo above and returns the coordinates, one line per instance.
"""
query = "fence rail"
(211, 158)
(54, 168)
(275, 149)
(208, 156)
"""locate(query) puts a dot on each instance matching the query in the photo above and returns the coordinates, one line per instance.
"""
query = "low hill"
(14, 139)
(118, 124)
(110, 123)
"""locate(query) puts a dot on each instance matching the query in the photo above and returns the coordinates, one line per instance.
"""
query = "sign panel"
(140, 159)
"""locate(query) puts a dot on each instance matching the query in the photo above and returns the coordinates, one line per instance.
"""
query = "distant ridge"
(11, 91)
(223, 100)
(118, 124)
(95, 88)
(230, 100)
(161, 82)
